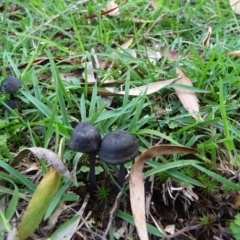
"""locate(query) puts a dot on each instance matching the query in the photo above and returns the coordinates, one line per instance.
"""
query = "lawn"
(162, 73)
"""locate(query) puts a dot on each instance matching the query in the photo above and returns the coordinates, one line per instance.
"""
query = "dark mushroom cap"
(11, 103)
(10, 85)
(85, 138)
(118, 147)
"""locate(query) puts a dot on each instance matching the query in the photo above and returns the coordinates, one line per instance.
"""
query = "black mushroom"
(11, 103)
(118, 148)
(86, 139)
(10, 85)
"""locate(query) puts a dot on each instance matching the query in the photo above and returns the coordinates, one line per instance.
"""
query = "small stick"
(112, 212)
(183, 230)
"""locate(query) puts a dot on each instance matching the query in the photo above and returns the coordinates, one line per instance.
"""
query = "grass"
(59, 35)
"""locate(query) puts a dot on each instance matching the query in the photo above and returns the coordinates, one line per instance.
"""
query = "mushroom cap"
(11, 103)
(85, 138)
(118, 147)
(10, 85)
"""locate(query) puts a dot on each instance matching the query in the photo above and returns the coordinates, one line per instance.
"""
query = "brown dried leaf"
(153, 4)
(108, 11)
(171, 54)
(235, 5)
(149, 88)
(188, 98)
(136, 183)
(48, 155)
(235, 54)
(112, 8)
(127, 43)
(206, 40)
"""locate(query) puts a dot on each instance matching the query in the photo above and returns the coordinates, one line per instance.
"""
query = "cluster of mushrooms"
(9, 86)
(116, 148)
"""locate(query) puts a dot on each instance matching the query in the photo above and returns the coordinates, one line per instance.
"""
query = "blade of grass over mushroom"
(136, 183)
(39, 203)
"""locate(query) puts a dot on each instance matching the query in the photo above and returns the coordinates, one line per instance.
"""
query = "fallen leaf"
(172, 55)
(39, 203)
(149, 88)
(153, 55)
(88, 74)
(153, 4)
(206, 40)
(48, 155)
(188, 98)
(108, 11)
(136, 184)
(112, 8)
(139, 20)
(235, 5)
(170, 229)
(127, 43)
(235, 54)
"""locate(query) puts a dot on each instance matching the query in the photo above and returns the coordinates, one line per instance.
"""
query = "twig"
(113, 211)
(183, 230)
(84, 220)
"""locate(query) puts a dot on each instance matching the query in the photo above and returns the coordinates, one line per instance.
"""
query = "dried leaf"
(108, 11)
(149, 88)
(235, 54)
(206, 40)
(235, 5)
(137, 185)
(188, 98)
(127, 43)
(43, 153)
(153, 55)
(172, 55)
(139, 20)
(170, 229)
(112, 8)
(89, 75)
(153, 4)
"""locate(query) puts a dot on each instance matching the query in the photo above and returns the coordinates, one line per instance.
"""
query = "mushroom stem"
(121, 176)
(12, 97)
(92, 176)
